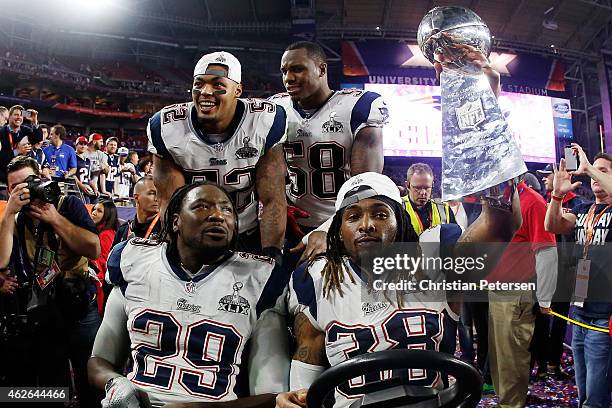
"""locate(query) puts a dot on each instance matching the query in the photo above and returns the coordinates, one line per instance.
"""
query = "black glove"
(274, 253)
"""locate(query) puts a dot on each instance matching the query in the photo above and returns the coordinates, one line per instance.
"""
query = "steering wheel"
(464, 393)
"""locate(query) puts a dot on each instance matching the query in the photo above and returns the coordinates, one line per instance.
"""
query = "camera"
(47, 191)
(26, 114)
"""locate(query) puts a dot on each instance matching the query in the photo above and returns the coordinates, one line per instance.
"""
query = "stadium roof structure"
(573, 29)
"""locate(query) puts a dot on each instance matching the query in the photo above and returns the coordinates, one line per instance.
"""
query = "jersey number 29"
(208, 348)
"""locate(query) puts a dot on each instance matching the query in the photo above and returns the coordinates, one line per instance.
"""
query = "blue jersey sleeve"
(303, 292)
(278, 130)
(114, 274)
(370, 110)
(274, 289)
(156, 143)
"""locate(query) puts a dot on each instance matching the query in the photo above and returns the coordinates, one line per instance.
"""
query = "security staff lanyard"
(581, 288)
(589, 227)
(149, 230)
(434, 218)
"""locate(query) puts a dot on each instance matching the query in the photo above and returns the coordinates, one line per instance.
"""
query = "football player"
(98, 159)
(186, 306)
(332, 321)
(331, 135)
(125, 179)
(113, 164)
(83, 173)
(227, 140)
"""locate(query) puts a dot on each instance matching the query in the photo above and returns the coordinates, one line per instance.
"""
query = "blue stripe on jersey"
(113, 266)
(156, 137)
(278, 128)
(449, 235)
(303, 286)
(361, 110)
(274, 288)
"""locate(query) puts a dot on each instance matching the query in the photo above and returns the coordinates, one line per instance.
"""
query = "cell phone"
(571, 161)
(26, 114)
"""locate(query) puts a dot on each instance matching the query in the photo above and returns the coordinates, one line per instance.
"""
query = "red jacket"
(106, 243)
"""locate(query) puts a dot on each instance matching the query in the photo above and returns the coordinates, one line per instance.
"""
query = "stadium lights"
(88, 7)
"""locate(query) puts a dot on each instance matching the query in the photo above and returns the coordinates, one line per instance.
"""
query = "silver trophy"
(478, 150)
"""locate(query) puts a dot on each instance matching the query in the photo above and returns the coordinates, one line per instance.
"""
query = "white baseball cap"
(123, 151)
(366, 185)
(234, 71)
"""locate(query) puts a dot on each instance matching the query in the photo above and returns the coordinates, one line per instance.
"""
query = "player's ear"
(175, 223)
(238, 91)
(322, 69)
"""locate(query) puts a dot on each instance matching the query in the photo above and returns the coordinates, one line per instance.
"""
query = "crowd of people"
(99, 169)
(243, 275)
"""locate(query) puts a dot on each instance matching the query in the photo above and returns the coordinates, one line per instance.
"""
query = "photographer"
(12, 133)
(45, 240)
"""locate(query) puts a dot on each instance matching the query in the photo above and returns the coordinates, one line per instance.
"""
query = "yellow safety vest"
(440, 214)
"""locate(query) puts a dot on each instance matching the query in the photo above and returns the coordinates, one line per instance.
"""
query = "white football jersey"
(123, 181)
(363, 321)
(257, 126)
(188, 335)
(319, 145)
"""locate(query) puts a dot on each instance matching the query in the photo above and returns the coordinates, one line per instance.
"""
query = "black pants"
(547, 342)
(37, 351)
(480, 317)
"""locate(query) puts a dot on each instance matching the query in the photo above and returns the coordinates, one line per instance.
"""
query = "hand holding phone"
(571, 161)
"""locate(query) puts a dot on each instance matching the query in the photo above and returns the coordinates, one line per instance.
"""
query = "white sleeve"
(112, 341)
(370, 111)
(303, 374)
(269, 355)
(546, 271)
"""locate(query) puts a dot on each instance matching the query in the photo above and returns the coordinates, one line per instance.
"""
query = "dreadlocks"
(333, 272)
(175, 206)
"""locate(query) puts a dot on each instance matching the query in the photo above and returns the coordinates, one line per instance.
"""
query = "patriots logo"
(220, 58)
(356, 180)
(384, 112)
